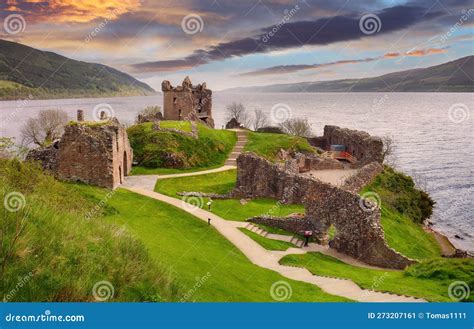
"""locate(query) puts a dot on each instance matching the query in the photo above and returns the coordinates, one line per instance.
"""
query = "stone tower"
(187, 102)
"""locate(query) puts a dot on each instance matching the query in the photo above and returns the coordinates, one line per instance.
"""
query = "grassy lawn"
(268, 145)
(139, 170)
(414, 281)
(266, 243)
(206, 265)
(221, 183)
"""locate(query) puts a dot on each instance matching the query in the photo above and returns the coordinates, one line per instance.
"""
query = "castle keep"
(96, 153)
(187, 102)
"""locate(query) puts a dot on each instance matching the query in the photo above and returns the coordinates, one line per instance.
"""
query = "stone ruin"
(96, 153)
(187, 102)
(356, 220)
(364, 147)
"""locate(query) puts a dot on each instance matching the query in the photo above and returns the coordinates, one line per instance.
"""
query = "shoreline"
(448, 249)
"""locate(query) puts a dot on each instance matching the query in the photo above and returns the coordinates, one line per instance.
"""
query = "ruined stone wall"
(291, 224)
(358, 230)
(93, 153)
(363, 177)
(187, 102)
(360, 144)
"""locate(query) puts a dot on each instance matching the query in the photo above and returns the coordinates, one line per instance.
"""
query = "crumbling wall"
(96, 153)
(363, 177)
(358, 230)
(291, 224)
(364, 147)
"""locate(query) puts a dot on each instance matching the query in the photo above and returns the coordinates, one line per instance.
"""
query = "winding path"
(259, 256)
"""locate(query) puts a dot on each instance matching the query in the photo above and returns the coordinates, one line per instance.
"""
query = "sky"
(233, 43)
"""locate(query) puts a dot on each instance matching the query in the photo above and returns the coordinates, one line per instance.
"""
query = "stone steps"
(280, 237)
(238, 148)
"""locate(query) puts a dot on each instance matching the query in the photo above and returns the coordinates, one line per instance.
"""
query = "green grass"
(266, 243)
(274, 230)
(139, 170)
(164, 149)
(422, 280)
(267, 145)
(402, 208)
(222, 183)
(180, 125)
(62, 253)
(194, 251)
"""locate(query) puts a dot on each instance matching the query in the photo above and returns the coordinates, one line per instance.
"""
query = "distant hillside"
(25, 70)
(446, 77)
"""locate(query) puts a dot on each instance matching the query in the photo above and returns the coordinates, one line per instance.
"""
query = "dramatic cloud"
(322, 31)
(284, 69)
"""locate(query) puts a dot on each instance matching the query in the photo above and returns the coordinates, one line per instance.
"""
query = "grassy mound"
(267, 145)
(403, 207)
(223, 182)
(52, 252)
(155, 150)
(422, 280)
(207, 266)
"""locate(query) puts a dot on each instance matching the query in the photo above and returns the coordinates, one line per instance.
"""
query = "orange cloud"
(425, 52)
(73, 11)
(391, 55)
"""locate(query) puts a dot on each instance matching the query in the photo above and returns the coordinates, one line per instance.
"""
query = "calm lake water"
(434, 143)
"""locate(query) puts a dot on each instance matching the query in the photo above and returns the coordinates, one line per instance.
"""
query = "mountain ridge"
(29, 72)
(446, 77)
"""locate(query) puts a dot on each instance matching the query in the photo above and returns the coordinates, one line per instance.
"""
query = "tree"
(260, 120)
(45, 128)
(388, 150)
(297, 127)
(149, 114)
(238, 112)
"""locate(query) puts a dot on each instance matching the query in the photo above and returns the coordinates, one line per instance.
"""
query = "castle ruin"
(96, 153)
(187, 102)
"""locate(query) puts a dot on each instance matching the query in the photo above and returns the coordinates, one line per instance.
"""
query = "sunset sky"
(231, 43)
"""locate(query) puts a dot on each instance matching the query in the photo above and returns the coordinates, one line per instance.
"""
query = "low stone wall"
(358, 230)
(363, 177)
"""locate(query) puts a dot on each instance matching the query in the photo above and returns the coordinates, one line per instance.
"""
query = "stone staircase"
(287, 238)
(238, 148)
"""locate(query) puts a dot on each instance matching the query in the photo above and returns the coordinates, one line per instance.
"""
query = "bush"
(270, 129)
(52, 252)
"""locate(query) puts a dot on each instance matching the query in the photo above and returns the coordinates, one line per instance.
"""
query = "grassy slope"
(266, 243)
(268, 145)
(427, 280)
(151, 148)
(65, 252)
(191, 249)
(49, 75)
(401, 232)
(221, 183)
